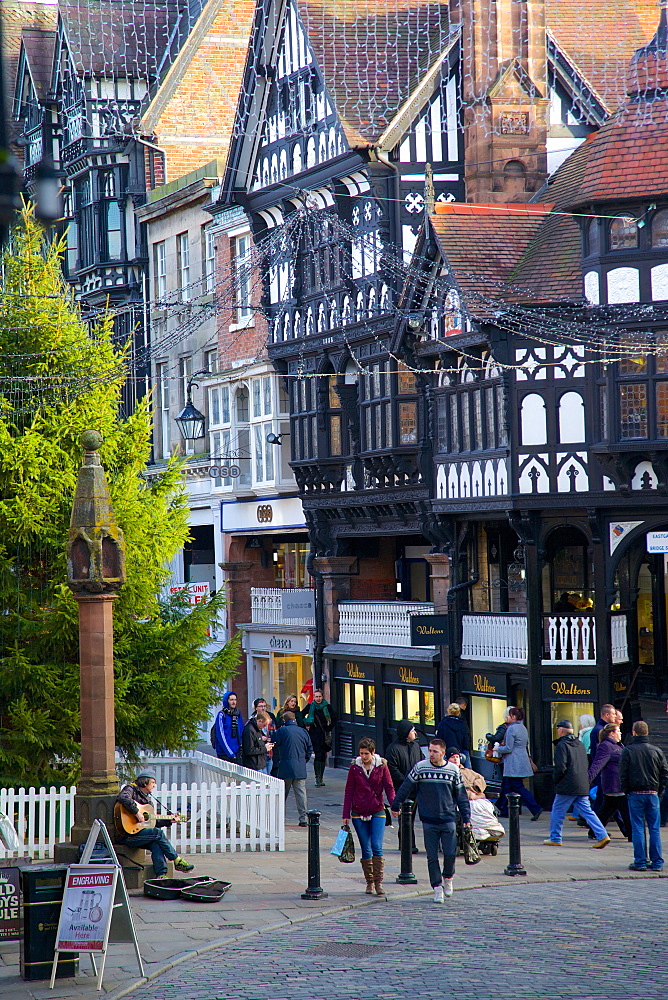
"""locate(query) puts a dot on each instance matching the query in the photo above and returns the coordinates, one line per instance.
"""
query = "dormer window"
(623, 233)
(660, 230)
(593, 239)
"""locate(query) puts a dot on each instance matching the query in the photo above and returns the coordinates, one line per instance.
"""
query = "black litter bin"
(42, 887)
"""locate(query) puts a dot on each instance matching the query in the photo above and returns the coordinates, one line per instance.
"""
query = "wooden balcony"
(379, 623)
(267, 606)
(492, 638)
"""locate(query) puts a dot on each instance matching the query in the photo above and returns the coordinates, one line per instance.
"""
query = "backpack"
(212, 735)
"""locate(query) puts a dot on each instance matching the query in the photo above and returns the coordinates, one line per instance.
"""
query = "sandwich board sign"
(95, 905)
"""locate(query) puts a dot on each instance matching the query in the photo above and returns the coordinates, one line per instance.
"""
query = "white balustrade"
(619, 641)
(381, 623)
(267, 606)
(494, 638)
(569, 639)
(229, 808)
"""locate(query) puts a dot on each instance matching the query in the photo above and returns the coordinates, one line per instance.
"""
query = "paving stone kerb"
(267, 888)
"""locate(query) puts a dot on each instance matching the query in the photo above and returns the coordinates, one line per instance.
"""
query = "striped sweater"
(439, 790)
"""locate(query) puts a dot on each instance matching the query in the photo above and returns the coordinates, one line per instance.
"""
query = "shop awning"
(403, 654)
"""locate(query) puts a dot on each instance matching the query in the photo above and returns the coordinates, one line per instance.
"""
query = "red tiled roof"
(373, 55)
(600, 37)
(39, 45)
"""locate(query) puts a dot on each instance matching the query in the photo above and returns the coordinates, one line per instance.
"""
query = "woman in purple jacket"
(368, 777)
(606, 760)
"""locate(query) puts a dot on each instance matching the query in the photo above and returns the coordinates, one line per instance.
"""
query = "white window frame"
(240, 251)
(209, 253)
(162, 383)
(160, 267)
(183, 265)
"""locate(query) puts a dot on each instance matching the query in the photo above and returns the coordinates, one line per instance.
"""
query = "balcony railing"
(619, 639)
(495, 638)
(379, 623)
(267, 606)
(569, 639)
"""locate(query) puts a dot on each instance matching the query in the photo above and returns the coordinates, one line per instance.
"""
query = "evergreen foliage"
(57, 379)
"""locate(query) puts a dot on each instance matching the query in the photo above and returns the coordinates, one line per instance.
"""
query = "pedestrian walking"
(253, 744)
(571, 782)
(587, 723)
(606, 764)
(608, 714)
(454, 732)
(228, 729)
(402, 754)
(295, 749)
(440, 793)
(290, 705)
(320, 719)
(643, 776)
(368, 778)
(514, 753)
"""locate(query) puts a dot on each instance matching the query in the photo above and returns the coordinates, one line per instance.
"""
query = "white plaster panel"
(592, 288)
(581, 479)
(623, 285)
(640, 470)
(659, 276)
(533, 419)
(526, 482)
(571, 418)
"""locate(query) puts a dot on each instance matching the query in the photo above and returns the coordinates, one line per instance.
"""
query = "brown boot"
(378, 869)
(367, 868)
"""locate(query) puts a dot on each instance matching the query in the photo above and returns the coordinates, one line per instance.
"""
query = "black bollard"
(314, 890)
(406, 876)
(514, 866)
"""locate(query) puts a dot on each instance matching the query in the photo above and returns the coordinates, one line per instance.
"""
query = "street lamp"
(274, 438)
(190, 421)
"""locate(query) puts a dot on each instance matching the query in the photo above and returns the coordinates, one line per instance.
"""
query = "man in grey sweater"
(440, 792)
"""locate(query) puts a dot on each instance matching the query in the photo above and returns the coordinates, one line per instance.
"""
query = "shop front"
(569, 697)
(279, 663)
(371, 695)
(487, 692)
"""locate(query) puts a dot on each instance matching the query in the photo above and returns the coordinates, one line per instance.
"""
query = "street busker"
(228, 729)
(440, 793)
(253, 744)
(368, 778)
(402, 754)
(606, 764)
(320, 719)
(571, 783)
(133, 797)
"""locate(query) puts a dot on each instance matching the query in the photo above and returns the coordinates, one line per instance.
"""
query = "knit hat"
(451, 751)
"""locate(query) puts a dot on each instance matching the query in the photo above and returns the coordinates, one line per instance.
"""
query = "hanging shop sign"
(412, 676)
(298, 605)
(483, 682)
(429, 630)
(557, 688)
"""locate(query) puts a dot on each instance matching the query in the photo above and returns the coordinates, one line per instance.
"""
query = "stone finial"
(95, 543)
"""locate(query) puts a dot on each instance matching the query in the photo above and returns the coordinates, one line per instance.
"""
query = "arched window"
(660, 229)
(514, 177)
(593, 239)
(623, 233)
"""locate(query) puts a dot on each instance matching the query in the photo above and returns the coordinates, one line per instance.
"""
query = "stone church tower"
(505, 98)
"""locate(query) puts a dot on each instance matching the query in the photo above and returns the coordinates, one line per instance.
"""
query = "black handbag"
(347, 855)
(472, 853)
(388, 816)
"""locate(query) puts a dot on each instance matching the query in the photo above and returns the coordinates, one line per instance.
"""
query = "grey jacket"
(514, 752)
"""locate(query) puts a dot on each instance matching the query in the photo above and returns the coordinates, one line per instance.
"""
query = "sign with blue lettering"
(429, 630)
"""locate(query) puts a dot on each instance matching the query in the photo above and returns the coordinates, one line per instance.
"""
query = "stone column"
(95, 571)
(336, 572)
(440, 585)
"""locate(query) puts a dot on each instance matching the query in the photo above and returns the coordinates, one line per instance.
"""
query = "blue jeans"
(155, 841)
(370, 833)
(579, 805)
(516, 785)
(445, 835)
(645, 812)
(268, 766)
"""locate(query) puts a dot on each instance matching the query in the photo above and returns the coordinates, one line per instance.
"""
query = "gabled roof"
(599, 37)
(119, 38)
(373, 55)
(38, 45)
(483, 243)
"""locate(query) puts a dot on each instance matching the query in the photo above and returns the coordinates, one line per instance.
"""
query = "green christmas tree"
(57, 379)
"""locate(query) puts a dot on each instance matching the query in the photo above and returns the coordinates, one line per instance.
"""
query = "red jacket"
(364, 796)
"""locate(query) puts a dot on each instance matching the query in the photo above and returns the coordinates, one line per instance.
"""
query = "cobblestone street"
(589, 940)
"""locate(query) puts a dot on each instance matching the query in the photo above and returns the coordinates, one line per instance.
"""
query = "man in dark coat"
(608, 714)
(643, 776)
(402, 754)
(254, 747)
(295, 747)
(571, 783)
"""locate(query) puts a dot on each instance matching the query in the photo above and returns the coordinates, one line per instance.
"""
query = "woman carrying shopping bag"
(368, 777)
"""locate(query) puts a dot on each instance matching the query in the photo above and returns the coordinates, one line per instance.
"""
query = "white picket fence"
(229, 808)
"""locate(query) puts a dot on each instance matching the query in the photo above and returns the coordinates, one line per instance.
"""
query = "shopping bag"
(347, 855)
(8, 834)
(472, 853)
(340, 842)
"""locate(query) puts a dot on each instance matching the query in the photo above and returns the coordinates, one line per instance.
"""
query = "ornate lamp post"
(95, 571)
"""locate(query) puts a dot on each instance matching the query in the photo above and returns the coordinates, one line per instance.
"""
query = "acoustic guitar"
(127, 823)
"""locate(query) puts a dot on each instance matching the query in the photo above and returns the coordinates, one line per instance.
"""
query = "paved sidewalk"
(267, 887)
